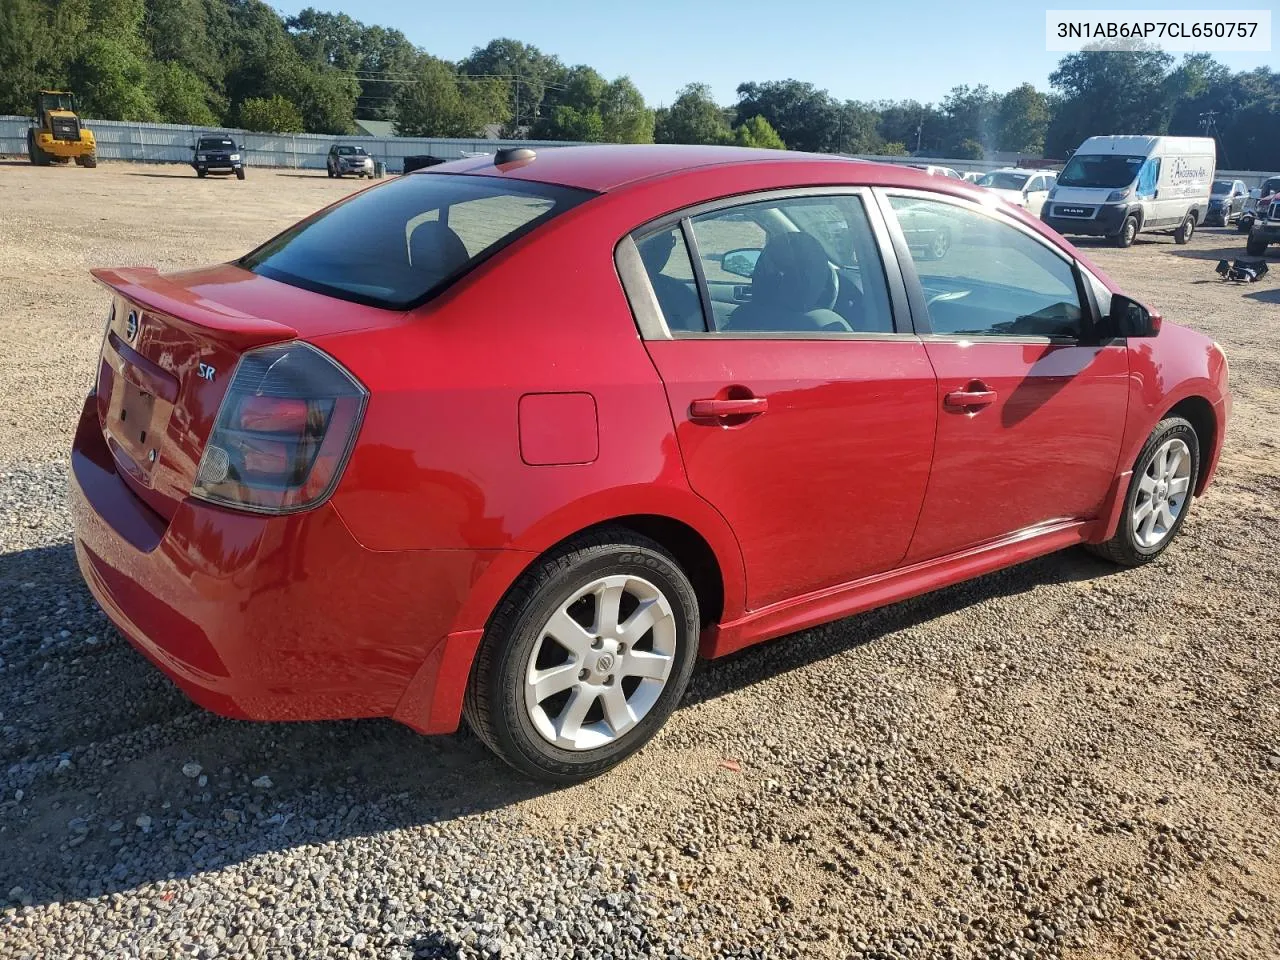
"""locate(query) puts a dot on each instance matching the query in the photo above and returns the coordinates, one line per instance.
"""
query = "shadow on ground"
(126, 733)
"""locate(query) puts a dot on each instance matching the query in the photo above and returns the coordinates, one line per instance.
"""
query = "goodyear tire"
(585, 658)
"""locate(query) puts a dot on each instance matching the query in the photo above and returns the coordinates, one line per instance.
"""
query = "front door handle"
(737, 407)
(970, 398)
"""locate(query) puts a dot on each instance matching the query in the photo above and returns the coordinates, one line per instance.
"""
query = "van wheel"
(1128, 230)
(1255, 247)
(1185, 229)
(585, 658)
(1159, 495)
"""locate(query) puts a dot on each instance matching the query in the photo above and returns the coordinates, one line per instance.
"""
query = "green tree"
(270, 115)
(1023, 119)
(180, 96)
(111, 80)
(804, 116)
(694, 117)
(528, 72)
(1106, 90)
(970, 114)
(894, 149)
(623, 114)
(441, 103)
(756, 132)
(969, 150)
(22, 45)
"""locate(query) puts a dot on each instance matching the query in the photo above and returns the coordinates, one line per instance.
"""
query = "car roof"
(605, 167)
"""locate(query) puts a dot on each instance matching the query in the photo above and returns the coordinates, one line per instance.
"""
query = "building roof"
(376, 128)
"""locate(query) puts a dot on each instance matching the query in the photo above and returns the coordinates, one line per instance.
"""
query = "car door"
(1036, 191)
(1031, 411)
(805, 415)
(1238, 194)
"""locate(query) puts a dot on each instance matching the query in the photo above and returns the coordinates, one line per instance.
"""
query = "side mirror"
(740, 263)
(1129, 318)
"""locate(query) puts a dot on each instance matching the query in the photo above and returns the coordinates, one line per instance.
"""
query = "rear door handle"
(742, 407)
(970, 398)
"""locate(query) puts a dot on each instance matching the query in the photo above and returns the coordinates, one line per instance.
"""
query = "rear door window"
(399, 244)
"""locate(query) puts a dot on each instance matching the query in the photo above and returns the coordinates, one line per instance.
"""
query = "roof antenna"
(512, 154)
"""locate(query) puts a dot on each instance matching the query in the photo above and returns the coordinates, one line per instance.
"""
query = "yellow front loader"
(56, 135)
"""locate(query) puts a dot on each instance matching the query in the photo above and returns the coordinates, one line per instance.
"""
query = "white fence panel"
(171, 143)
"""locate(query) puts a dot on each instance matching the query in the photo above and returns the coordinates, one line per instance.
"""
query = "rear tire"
(1161, 488)
(605, 698)
(1128, 232)
(1256, 247)
(1185, 229)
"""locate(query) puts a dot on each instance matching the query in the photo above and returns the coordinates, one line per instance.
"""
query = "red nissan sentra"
(515, 438)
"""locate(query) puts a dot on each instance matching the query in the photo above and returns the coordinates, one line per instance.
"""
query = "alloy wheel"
(600, 662)
(1162, 493)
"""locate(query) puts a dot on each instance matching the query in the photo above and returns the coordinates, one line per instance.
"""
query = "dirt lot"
(1060, 760)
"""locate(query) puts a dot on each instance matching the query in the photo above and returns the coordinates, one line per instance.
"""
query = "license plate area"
(137, 415)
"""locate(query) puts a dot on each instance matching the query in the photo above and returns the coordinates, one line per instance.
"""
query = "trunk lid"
(169, 353)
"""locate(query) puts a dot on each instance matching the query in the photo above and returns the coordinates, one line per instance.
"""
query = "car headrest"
(793, 273)
(655, 251)
(434, 246)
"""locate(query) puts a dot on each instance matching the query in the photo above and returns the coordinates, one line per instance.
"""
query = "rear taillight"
(283, 433)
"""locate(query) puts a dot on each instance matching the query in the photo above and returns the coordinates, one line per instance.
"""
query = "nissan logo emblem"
(131, 325)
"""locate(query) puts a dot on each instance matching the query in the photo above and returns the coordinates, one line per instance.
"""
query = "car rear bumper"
(272, 618)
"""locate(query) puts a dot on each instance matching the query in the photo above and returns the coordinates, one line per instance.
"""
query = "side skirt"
(846, 599)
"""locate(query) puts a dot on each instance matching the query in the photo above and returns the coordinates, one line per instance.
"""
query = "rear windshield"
(398, 244)
(1004, 181)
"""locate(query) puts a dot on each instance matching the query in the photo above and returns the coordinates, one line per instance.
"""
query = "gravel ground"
(1059, 760)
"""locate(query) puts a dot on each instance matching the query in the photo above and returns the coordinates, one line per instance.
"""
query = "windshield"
(1100, 170)
(1221, 188)
(219, 143)
(1004, 181)
(350, 151)
(397, 245)
(1270, 186)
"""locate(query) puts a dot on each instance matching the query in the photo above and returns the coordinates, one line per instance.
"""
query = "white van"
(1119, 187)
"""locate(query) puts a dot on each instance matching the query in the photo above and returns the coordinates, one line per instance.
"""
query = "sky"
(856, 50)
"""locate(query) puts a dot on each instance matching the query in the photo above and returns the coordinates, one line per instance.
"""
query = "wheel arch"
(1198, 411)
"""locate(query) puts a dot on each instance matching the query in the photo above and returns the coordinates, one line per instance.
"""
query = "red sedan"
(515, 438)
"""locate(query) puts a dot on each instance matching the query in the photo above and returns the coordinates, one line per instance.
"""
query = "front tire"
(1159, 495)
(240, 173)
(1256, 247)
(585, 658)
(1185, 229)
(1128, 232)
(38, 157)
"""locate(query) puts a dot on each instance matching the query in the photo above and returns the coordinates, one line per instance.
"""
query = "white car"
(1022, 188)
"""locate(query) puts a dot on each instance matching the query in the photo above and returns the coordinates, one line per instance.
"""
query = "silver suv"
(344, 159)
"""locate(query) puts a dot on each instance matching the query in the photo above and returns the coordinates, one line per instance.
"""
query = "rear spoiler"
(145, 287)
